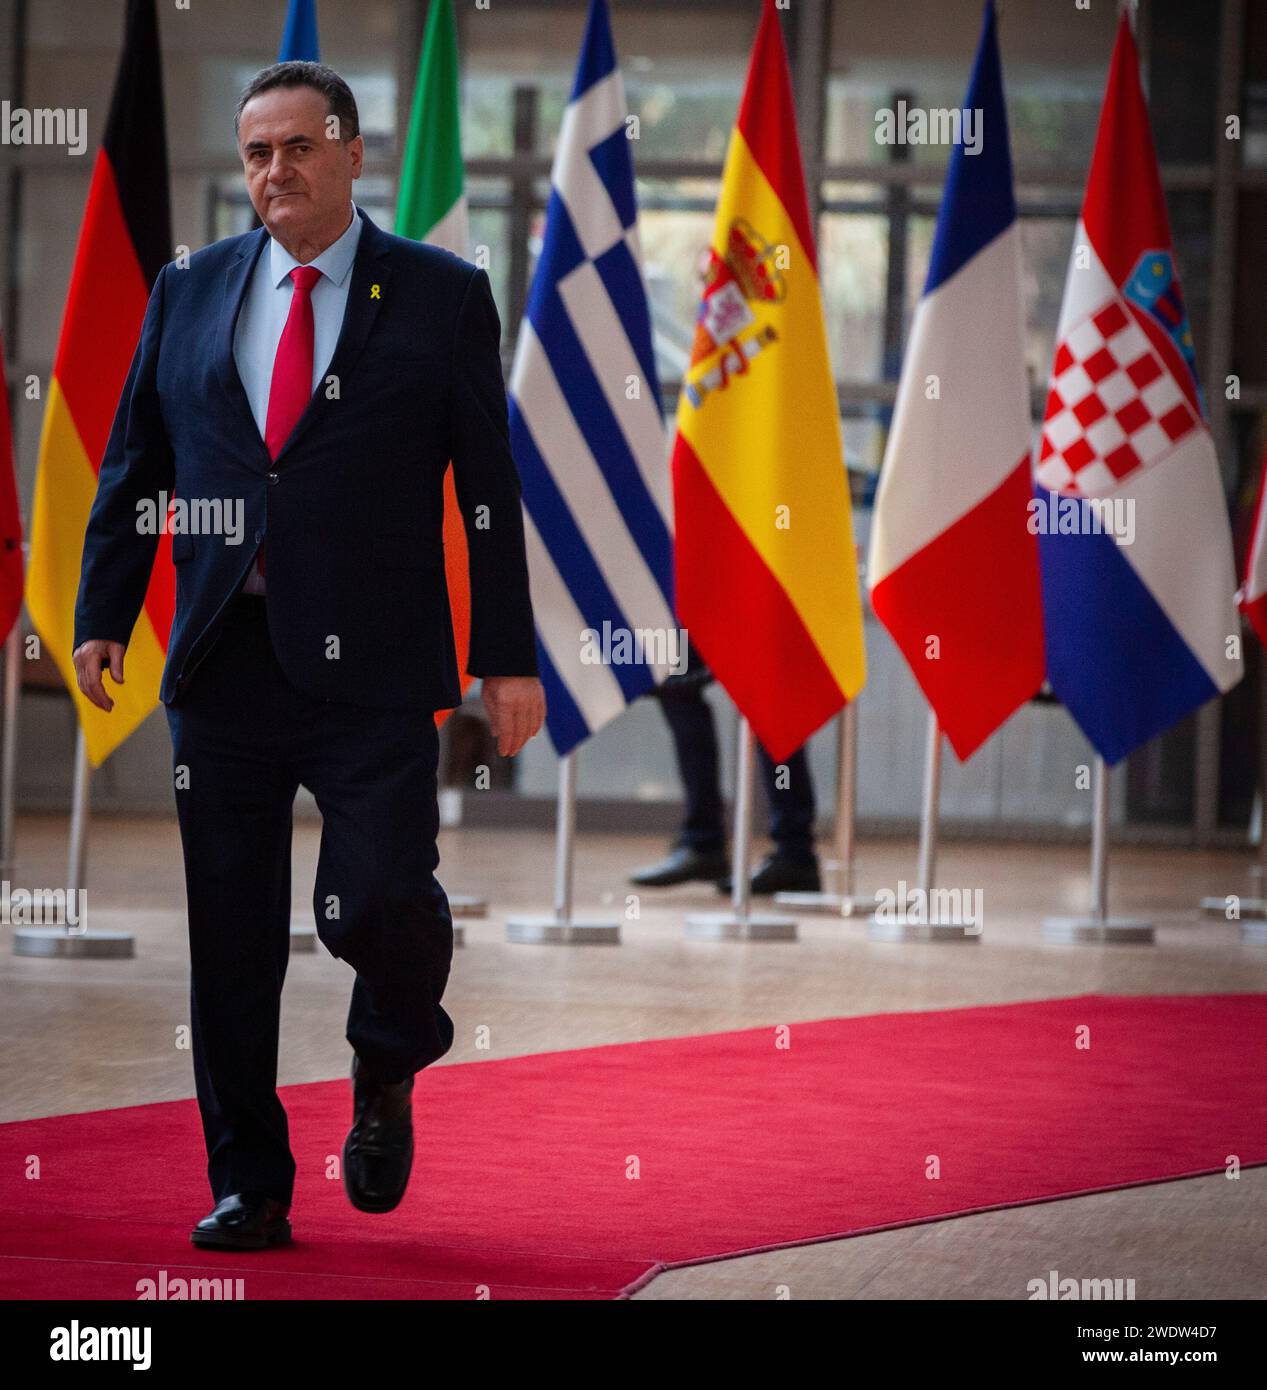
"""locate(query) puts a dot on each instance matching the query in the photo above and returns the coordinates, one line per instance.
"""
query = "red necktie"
(291, 387)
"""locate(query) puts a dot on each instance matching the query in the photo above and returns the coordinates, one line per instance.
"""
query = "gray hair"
(339, 99)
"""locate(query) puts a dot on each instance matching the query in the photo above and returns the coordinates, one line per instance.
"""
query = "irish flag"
(431, 207)
(123, 244)
(767, 582)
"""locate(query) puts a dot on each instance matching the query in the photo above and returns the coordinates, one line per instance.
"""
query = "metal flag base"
(740, 926)
(829, 904)
(552, 931)
(1254, 933)
(741, 923)
(1097, 928)
(58, 942)
(1097, 931)
(900, 927)
(560, 928)
(63, 943)
(911, 921)
(1247, 907)
(840, 870)
(467, 905)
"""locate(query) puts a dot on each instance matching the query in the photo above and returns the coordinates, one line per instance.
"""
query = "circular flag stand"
(902, 925)
(467, 905)
(1251, 906)
(561, 928)
(740, 923)
(1098, 928)
(74, 942)
(9, 749)
(841, 902)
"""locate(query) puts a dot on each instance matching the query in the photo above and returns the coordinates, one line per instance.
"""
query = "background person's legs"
(699, 850)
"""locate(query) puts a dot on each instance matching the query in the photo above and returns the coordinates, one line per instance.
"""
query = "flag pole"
(74, 939)
(741, 923)
(1252, 906)
(561, 928)
(79, 797)
(841, 901)
(1098, 928)
(931, 807)
(914, 911)
(9, 749)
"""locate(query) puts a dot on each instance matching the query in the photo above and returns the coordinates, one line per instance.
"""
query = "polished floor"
(78, 1035)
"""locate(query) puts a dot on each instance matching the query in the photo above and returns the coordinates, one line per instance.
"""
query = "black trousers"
(791, 808)
(244, 740)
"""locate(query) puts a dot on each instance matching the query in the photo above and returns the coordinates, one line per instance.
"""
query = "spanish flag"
(767, 581)
(123, 244)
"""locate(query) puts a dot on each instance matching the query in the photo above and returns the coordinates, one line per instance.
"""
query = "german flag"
(123, 244)
(767, 581)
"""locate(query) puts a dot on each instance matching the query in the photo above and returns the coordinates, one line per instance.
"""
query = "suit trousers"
(791, 808)
(244, 740)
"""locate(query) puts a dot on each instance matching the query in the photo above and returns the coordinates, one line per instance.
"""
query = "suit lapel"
(236, 279)
(371, 271)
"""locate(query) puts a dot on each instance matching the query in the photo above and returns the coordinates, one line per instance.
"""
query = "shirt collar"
(334, 262)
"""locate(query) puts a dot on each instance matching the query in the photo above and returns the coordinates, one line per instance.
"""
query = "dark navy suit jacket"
(351, 509)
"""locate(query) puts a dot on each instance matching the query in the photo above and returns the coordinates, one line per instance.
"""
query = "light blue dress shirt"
(263, 316)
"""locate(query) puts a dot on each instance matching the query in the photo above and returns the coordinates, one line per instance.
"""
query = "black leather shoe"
(378, 1153)
(683, 865)
(244, 1221)
(779, 874)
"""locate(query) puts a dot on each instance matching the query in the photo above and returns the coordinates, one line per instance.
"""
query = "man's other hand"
(90, 659)
(516, 708)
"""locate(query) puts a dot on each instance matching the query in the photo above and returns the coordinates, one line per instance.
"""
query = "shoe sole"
(377, 1208)
(276, 1233)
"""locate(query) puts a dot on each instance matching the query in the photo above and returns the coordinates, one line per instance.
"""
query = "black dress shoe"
(683, 865)
(777, 873)
(378, 1153)
(244, 1221)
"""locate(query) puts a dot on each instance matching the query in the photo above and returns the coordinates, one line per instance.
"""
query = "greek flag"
(586, 424)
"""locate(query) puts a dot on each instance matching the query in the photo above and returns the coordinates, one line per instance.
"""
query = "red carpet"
(525, 1183)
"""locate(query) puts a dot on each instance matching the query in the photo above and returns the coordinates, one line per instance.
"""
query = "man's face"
(299, 177)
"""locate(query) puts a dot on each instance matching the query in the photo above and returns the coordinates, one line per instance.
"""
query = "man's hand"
(89, 660)
(516, 708)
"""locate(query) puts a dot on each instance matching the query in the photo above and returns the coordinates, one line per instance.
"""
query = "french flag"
(953, 569)
(1136, 550)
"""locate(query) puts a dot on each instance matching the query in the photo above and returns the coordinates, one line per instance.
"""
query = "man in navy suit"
(301, 391)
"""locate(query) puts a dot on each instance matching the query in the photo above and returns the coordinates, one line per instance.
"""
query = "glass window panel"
(1055, 61)
(209, 53)
(853, 251)
(1241, 727)
(675, 227)
(683, 67)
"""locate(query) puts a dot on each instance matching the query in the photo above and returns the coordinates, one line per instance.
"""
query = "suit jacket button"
(272, 477)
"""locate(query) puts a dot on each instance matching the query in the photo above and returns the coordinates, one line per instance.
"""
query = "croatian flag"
(953, 567)
(1136, 551)
(1253, 595)
(586, 424)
